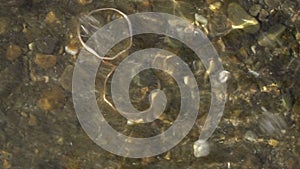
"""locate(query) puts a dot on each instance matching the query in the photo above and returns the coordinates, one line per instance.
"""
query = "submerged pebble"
(84, 2)
(13, 52)
(52, 99)
(250, 136)
(272, 124)
(51, 18)
(66, 78)
(201, 148)
(271, 37)
(241, 19)
(254, 9)
(45, 61)
(4, 22)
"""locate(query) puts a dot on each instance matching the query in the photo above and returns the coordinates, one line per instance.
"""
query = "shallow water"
(39, 126)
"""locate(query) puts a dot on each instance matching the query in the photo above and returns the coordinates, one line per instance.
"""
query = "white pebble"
(223, 76)
(201, 148)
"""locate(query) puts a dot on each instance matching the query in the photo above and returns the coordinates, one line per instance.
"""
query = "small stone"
(273, 142)
(84, 2)
(219, 25)
(45, 45)
(201, 148)
(13, 52)
(271, 37)
(241, 19)
(23, 114)
(52, 99)
(73, 47)
(60, 141)
(45, 61)
(254, 9)
(272, 3)
(250, 136)
(51, 18)
(272, 124)
(296, 107)
(44, 104)
(223, 76)
(32, 120)
(263, 14)
(215, 7)
(168, 156)
(66, 78)
(6, 164)
(4, 22)
(201, 19)
(298, 37)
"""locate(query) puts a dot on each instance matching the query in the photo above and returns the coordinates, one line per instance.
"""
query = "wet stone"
(13, 52)
(241, 19)
(52, 99)
(272, 3)
(263, 14)
(32, 121)
(45, 61)
(51, 18)
(254, 9)
(84, 2)
(272, 124)
(46, 45)
(250, 136)
(298, 37)
(271, 37)
(219, 25)
(66, 78)
(4, 23)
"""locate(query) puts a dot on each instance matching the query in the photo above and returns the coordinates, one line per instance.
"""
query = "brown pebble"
(4, 22)
(84, 2)
(52, 99)
(45, 61)
(51, 18)
(13, 52)
(6, 164)
(66, 78)
(32, 120)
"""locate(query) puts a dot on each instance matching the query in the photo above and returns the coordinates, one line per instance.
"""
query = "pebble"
(272, 3)
(273, 142)
(73, 47)
(66, 78)
(263, 14)
(52, 99)
(215, 7)
(84, 2)
(32, 120)
(241, 19)
(201, 148)
(46, 45)
(51, 18)
(298, 37)
(223, 76)
(272, 124)
(219, 25)
(45, 61)
(201, 19)
(250, 136)
(271, 37)
(13, 52)
(255, 9)
(4, 22)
